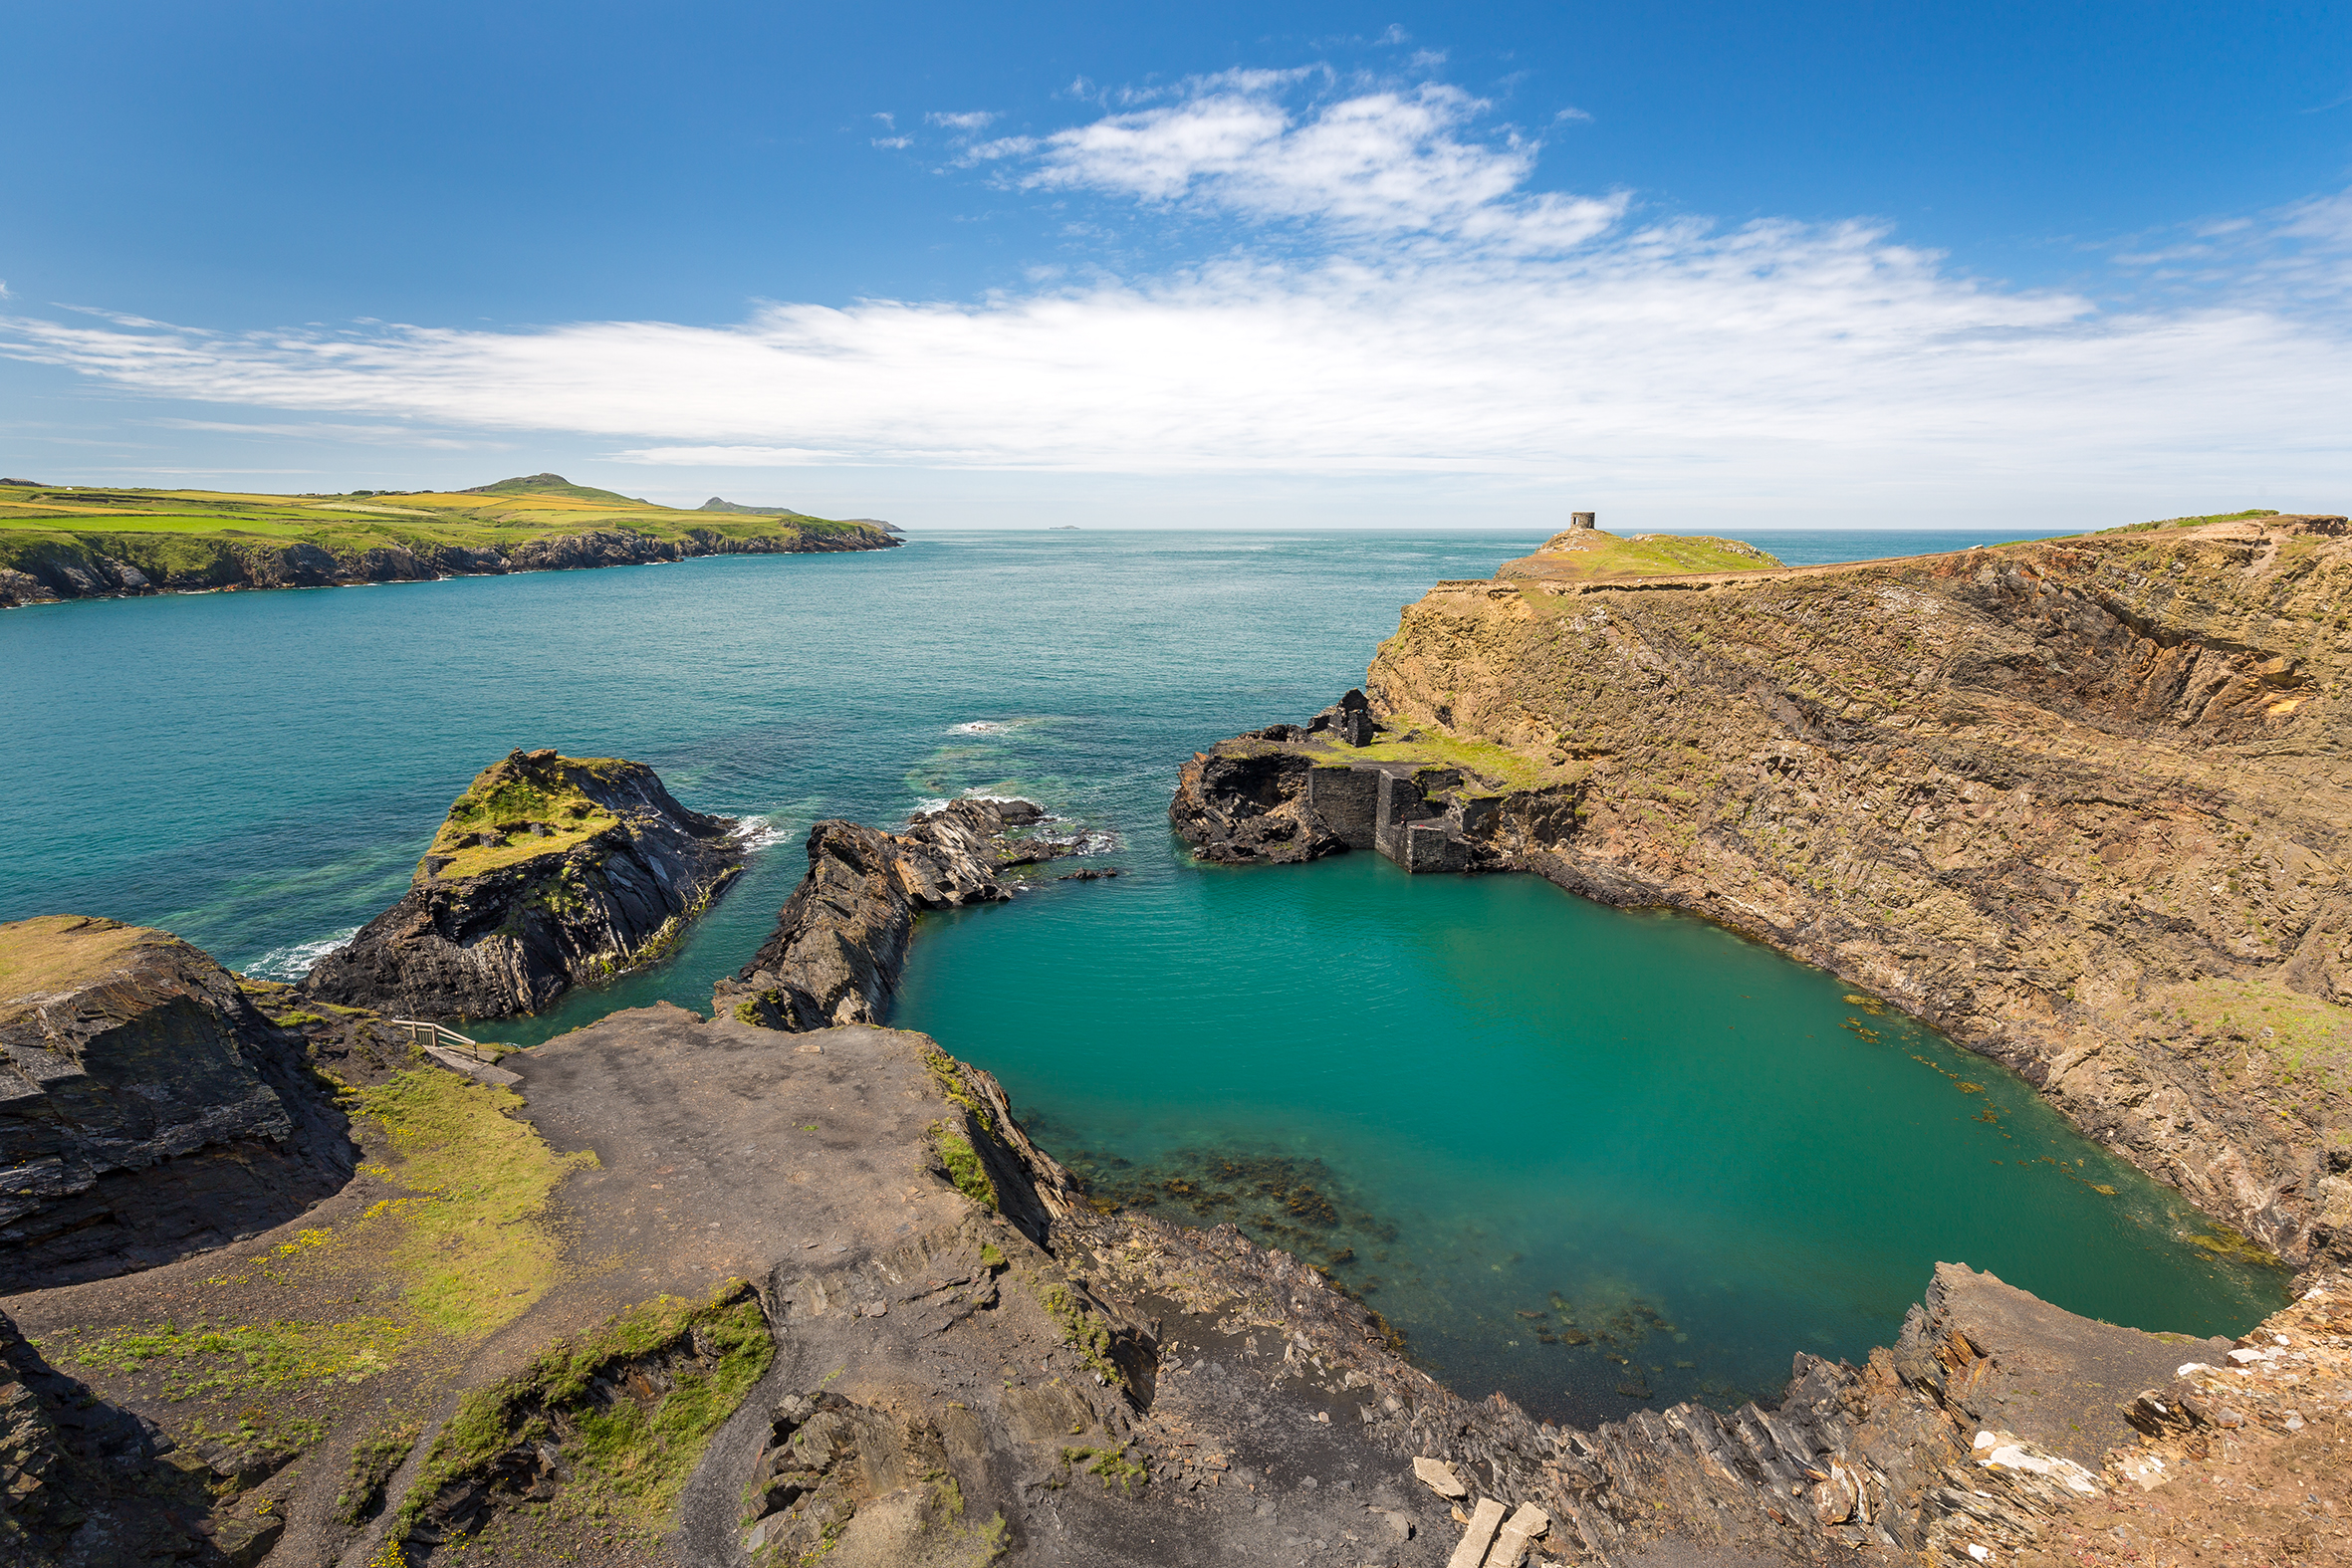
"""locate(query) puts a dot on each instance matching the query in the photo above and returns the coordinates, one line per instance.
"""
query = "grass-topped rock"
(1589, 555)
(549, 871)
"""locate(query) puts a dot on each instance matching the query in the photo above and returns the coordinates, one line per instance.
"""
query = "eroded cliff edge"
(549, 871)
(2085, 805)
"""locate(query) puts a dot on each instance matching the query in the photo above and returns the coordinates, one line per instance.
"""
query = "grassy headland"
(1589, 555)
(75, 542)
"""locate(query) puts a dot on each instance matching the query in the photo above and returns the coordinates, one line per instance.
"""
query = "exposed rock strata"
(148, 1109)
(840, 941)
(78, 570)
(2081, 804)
(550, 871)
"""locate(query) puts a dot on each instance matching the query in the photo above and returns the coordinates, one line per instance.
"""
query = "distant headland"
(75, 542)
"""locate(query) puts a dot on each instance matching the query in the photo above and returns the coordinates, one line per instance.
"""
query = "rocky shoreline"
(2076, 804)
(76, 570)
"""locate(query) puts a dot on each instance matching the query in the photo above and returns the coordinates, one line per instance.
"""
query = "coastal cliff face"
(840, 941)
(148, 1109)
(2081, 804)
(78, 570)
(549, 871)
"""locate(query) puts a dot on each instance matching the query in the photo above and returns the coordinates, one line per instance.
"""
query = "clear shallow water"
(1506, 1092)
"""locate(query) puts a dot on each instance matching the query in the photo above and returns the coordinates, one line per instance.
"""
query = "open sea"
(1597, 1159)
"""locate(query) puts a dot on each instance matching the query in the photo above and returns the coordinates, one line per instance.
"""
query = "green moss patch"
(461, 1247)
(627, 1455)
(512, 812)
(1082, 1329)
(964, 1168)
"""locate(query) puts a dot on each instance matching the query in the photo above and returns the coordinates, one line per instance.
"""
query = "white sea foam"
(979, 726)
(293, 963)
(760, 832)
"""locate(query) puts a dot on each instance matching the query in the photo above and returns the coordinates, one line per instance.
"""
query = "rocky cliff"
(840, 941)
(148, 1109)
(549, 871)
(79, 569)
(2081, 804)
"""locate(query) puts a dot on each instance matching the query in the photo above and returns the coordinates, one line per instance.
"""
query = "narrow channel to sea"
(1597, 1159)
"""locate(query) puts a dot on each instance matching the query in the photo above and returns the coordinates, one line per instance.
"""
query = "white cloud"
(976, 120)
(894, 141)
(1456, 327)
(1386, 161)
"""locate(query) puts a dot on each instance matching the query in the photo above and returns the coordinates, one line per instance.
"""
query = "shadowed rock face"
(2079, 803)
(495, 926)
(840, 941)
(148, 1111)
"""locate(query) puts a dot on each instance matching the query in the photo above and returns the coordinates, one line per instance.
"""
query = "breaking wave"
(293, 963)
(979, 726)
(760, 832)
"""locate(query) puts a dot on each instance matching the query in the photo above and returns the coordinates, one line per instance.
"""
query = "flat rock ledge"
(549, 872)
(839, 943)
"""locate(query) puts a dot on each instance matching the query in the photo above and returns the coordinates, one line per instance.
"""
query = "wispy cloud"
(975, 120)
(1451, 322)
(373, 435)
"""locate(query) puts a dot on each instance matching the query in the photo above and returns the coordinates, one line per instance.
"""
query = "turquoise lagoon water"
(1566, 1149)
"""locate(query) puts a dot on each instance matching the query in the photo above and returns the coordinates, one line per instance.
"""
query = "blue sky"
(1693, 265)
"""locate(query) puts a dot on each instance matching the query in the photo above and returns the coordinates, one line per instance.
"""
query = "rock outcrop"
(839, 941)
(550, 871)
(2079, 803)
(148, 1109)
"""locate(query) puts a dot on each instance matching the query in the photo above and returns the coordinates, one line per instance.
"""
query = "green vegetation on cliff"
(1592, 554)
(185, 539)
(509, 814)
(282, 1342)
(629, 1441)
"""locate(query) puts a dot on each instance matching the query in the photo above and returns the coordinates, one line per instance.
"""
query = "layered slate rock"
(839, 941)
(2079, 803)
(549, 871)
(147, 1110)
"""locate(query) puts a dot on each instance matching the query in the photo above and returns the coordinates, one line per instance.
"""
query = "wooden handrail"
(424, 1031)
